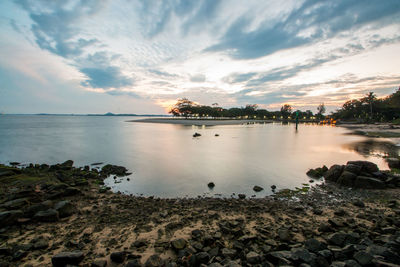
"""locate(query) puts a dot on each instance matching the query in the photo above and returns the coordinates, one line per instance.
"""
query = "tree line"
(366, 109)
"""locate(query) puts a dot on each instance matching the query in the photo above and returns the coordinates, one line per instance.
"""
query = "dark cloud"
(239, 77)
(324, 19)
(162, 73)
(108, 77)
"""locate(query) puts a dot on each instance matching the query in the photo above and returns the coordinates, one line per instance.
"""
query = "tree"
(321, 110)
(370, 98)
(286, 110)
(183, 107)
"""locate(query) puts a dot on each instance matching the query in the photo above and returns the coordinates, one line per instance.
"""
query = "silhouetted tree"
(286, 110)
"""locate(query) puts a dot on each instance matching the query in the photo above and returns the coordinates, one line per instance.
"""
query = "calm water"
(167, 161)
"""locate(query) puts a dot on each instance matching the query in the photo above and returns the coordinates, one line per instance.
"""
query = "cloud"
(311, 22)
(198, 78)
(108, 77)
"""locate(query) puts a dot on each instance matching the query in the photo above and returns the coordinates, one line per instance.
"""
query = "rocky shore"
(61, 215)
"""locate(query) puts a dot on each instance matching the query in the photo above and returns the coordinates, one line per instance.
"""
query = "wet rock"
(133, 263)
(257, 188)
(253, 257)
(334, 173)
(211, 185)
(196, 135)
(114, 169)
(201, 258)
(99, 263)
(16, 204)
(67, 164)
(50, 215)
(65, 208)
(280, 257)
(337, 239)
(33, 209)
(368, 183)
(284, 235)
(352, 263)
(41, 244)
(64, 258)
(318, 172)
(228, 253)
(10, 217)
(346, 178)
(241, 196)
(118, 256)
(340, 212)
(303, 255)
(178, 244)
(154, 261)
(366, 166)
(353, 168)
(273, 187)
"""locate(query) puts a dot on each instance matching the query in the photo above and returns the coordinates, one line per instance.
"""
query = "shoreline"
(92, 226)
(200, 122)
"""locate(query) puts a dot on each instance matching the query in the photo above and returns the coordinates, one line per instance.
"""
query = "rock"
(33, 209)
(10, 217)
(241, 196)
(284, 235)
(303, 255)
(337, 239)
(133, 263)
(253, 257)
(16, 204)
(346, 178)
(368, 183)
(363, 258)
(273, 187)
(114, 169)
(393, 163)
(314, 245)
(49, 215)
(41, 244)
(353, 168)
(366, 166)
(358, 203)
(257, 188)
(340, 212)
(67, 164)
(282, 257)
(178, 244)
(99, 263)
(228, 253)
(118, 256)
(352, 263)
(318, 172)
(64, 258)
(211, 185)
(334, 173)
(196, 135)
(154, 261)
(216, 135)
(65, 208)
(202, 258)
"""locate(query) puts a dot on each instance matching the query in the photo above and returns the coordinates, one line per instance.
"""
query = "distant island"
(106, 114)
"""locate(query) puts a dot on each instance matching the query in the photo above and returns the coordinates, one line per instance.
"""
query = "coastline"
(200, 122)
(326, 225)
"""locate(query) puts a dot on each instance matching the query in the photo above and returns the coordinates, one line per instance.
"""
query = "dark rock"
(363, 258)
(241, 196)
(273, 187)
(352, 263)
(114, 169)
(202, 258)
(368, 183)
(358, 203)
(393, 163)
(133, 263)
(253, 257)
(67, 164)
(33, 209)
(366, 166)
(154, 261)
(346, 178)
(10, 217)
(338, 264)
(118, 256)
(211, 185)
(303, 255)
(284, 235)
(314, 245)
(64, 258)
(16, 204)
(99, 263)
(280, 257)
(196, 135)
(49, 215)
(257, 188)
(178, 244)
(41, 244)
(65, 208)
(353, 168)
(340, 212)
(228, 253)
(334, 173)
(337, 239)
(318, 172)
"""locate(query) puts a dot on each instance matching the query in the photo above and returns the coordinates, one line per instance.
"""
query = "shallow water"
(167, 161)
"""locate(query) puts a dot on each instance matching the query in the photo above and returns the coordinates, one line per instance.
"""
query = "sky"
(127, 56)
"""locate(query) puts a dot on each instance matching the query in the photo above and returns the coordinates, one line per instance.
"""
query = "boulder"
(228, 253)
(366, 166)
(114, 169)
(99, 263)
(334, 173)
(16, 204)
(353, 168)
(393, 163)
(10, 217)
(33, 209)
(363, 258)
(64, 258)
(241, 196)
(211, 185)
(257, 188)
(118, 256)
(154, 261)
(50, 215)
(314, 245)
(346, 178)
(368, 183)
(253, 257)
(178, 244)
(133, 263)
(65, 208)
